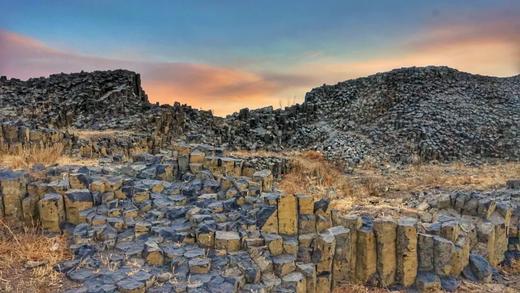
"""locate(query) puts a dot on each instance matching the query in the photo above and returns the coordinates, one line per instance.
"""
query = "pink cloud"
(201, 85)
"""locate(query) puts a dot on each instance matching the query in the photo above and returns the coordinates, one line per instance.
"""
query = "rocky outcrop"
(195, 221)
(401, 116)
(429, 113)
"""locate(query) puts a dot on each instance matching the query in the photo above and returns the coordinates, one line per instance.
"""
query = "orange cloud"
(490, 48)
(221, 89)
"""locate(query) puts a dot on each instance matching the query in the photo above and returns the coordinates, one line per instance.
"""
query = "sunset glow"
(257, 55)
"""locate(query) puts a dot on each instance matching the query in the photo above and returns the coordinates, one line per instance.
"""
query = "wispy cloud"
(486, 45)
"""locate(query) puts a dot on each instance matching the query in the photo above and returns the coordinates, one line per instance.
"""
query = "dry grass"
(258, 153)
(312, 174)
(447, 176)
(20, 246)
(355, 288)
(27, 157)
(90, 134)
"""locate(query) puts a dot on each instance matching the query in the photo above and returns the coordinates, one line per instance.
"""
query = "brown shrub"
(312, 174)
(27, 157)
(20, 247)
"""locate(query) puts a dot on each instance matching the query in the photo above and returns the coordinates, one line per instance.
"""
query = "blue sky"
(283, 47)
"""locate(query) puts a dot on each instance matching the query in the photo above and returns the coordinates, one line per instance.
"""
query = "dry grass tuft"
(27, 157)
(311, 173)
(355, 288)
(19, 247)
(90, 134)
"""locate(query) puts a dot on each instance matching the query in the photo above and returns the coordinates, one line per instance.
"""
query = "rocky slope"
(430, 113)
(409, 114)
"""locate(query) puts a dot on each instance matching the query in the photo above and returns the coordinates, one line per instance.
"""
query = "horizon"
(229, 56)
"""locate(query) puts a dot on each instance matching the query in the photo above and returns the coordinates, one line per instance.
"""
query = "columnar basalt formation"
(402, 116)
(219, 231)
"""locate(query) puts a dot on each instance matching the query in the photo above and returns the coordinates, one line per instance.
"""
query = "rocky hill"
(429, 113)
(401, 116)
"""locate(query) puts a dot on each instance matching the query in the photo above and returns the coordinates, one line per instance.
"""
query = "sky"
(229, 54)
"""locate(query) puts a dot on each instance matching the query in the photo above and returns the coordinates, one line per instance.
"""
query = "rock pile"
(99, 100)
(430, 113)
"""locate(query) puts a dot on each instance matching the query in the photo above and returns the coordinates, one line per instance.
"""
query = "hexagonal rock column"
(227, 240)
(385, 229)
(407, 263)
(323, 254)
(340, 263)
(366, 259)
(12, 189)
(353, 223)
(295, 281)
(460, 256)
(267, 219)
(442, 250)
(323, 215)
(77, 200)
(309, 271)
(323, 281)
(425, 252)
(265, 178)
(486, 239)
(52, 212)
(288, 215)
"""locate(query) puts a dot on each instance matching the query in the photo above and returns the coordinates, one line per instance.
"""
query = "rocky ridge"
(428, 113)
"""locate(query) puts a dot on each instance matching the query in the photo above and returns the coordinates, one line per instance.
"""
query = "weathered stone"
(290, 245)
(486, 237)
(442, 249)
(288, 215)
(284, 264)
(340, 264)
(199, 265)
(353, 223)
(267, 219)
(274, 243)
(478, 269)
(305, 204)
(153, 254)
(77, 200)
(265, 177)
(309, 271)
(52, 213)
(425, 252)
(366, 259)
(306, 224)
(450, 230)
(460, 256)
(407, 262)
(323, 282)
(206, 238)
(323, 254)
(296, 281)
(386, 237)
(305, 247)
(227, 240)
(428, 282)
(486, 207)
(13, 189)
(131, 286)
